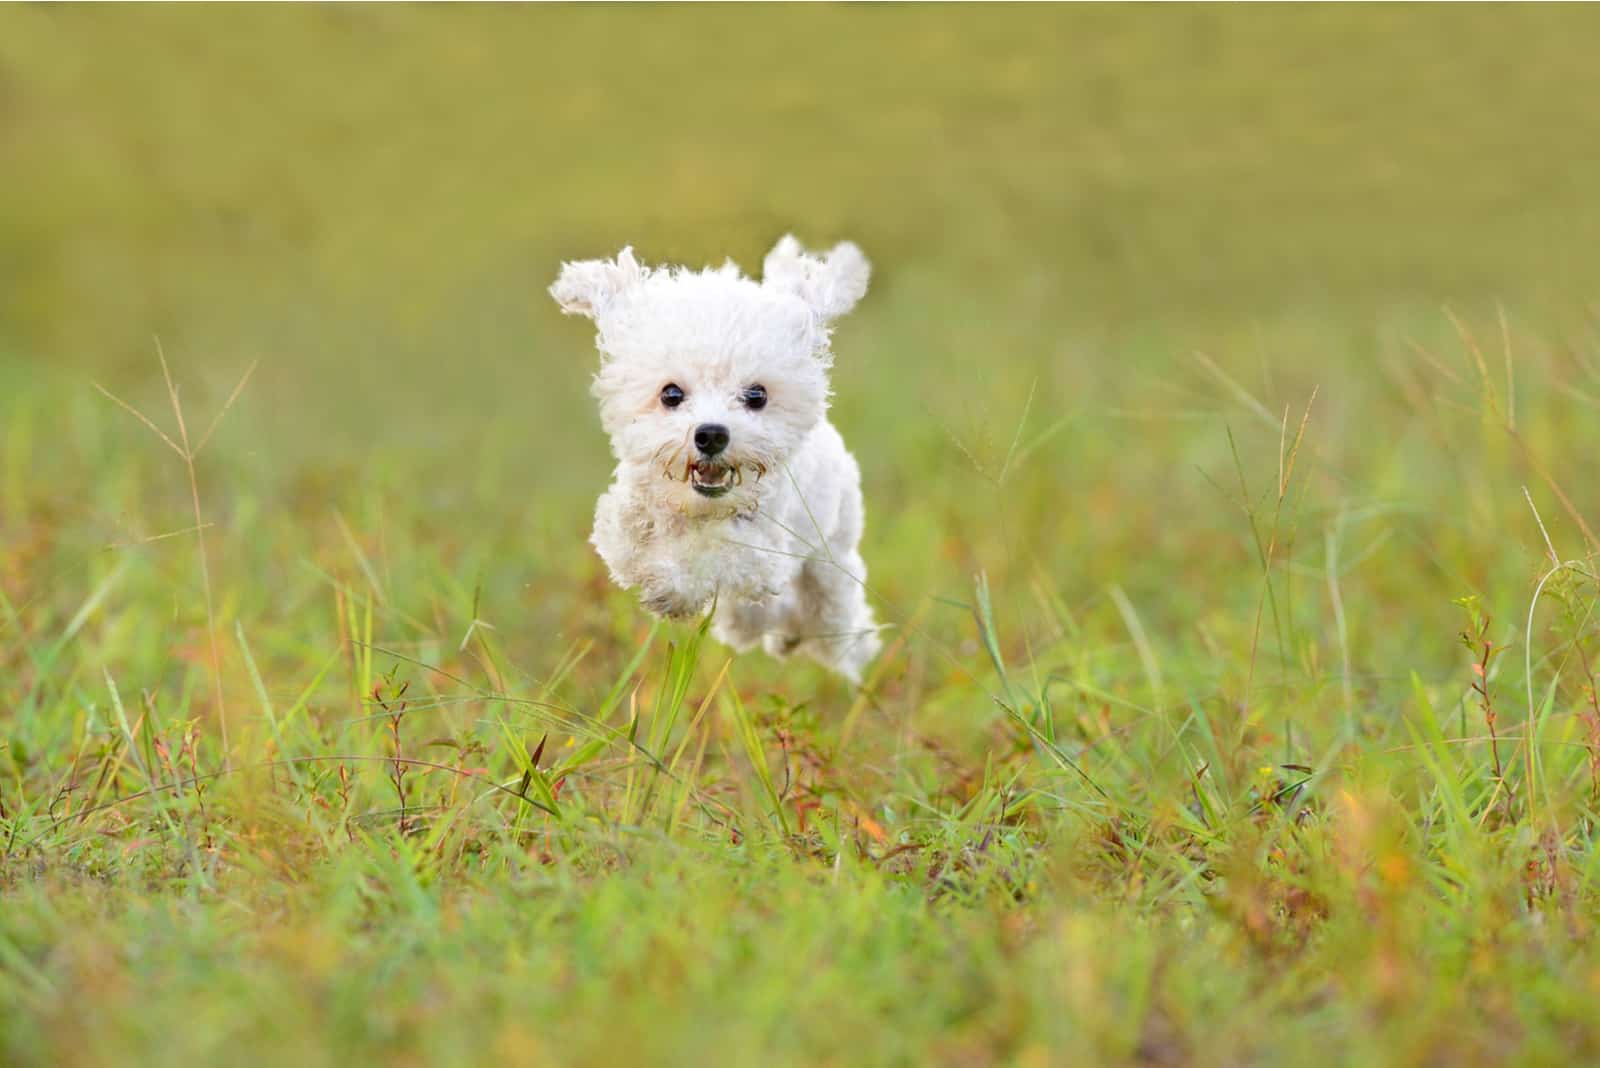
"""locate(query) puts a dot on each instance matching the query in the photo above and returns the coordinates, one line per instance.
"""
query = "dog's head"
(709, 381)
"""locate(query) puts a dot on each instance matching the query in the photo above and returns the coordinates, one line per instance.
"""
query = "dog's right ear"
(831, 283)
(587, 286)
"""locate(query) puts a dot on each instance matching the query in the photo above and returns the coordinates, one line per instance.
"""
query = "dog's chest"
(731, 556)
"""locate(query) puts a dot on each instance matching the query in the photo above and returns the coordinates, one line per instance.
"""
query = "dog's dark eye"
(755, 397)
(671, 395)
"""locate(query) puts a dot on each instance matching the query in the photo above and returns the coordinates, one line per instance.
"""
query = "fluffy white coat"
(768, 529)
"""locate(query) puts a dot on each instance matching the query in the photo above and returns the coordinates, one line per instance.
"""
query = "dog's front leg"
(631, 544)
(641, 556)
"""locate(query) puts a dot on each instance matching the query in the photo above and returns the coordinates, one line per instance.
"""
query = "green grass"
(1226, 402)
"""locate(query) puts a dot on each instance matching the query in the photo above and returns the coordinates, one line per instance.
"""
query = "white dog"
(731, 488)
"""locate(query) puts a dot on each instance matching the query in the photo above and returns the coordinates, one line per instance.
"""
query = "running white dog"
(731, 488)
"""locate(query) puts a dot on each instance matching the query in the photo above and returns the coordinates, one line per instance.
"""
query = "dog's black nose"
(711, 438)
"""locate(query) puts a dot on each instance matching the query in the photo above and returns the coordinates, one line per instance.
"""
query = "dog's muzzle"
(709, 478)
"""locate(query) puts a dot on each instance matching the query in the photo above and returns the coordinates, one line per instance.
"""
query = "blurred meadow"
(1227, 400)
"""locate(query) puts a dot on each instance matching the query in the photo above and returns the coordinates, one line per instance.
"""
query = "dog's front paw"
(779, 645)
(668, 603)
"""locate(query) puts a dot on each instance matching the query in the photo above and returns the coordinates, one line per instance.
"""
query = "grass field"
(1227, 399)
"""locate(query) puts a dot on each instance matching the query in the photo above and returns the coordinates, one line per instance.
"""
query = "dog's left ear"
(587, 286)
(831, 284)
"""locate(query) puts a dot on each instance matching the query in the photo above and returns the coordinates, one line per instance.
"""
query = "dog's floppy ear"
(831, 283)
(587, 286)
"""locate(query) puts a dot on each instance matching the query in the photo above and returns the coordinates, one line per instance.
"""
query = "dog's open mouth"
(711, 479)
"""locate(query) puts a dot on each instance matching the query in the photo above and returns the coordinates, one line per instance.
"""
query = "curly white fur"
(776, 551)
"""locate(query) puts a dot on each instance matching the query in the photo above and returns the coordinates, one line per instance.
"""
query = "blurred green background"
(379, 194)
